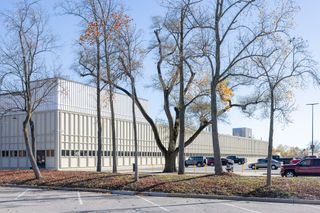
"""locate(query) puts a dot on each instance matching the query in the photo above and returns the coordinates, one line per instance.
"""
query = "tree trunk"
(215, 75)
(215, 135)
(113, 133)
(170, 162)
(99, 154)
(181, 94)
(33, 138)
(29, 149)
(136, 174)
(270, 145)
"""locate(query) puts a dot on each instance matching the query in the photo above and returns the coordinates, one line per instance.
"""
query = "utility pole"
(312, 146)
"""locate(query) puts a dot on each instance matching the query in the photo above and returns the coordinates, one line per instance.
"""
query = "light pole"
(312, 146)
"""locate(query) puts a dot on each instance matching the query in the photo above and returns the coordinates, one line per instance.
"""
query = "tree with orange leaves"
(102, 19)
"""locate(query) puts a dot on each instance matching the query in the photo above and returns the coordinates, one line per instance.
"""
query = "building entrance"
(41, 159)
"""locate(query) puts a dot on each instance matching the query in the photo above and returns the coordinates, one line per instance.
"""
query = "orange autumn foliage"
(224, 91)
(116, 22)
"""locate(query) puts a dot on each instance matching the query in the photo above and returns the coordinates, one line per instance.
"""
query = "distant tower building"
(242, 132)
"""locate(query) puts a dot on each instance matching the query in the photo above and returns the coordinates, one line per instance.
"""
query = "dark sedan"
(224, 161)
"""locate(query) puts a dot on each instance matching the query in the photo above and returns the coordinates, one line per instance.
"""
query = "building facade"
(66, 134)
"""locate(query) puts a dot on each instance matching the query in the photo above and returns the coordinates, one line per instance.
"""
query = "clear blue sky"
(297, 133)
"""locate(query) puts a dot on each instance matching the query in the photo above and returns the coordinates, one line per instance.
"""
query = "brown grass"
(231, 185)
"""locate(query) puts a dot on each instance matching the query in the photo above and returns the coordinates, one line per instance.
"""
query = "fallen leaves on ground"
(228, 184)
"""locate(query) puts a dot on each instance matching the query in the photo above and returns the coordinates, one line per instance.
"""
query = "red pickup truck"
(306, 167)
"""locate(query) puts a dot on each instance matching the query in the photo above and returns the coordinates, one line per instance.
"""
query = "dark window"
(81, 153)
(90, 153)
(305, 163)
(24, 153)
(72, 153)
(67, 152)
(50, 153)
(63, 153)
(20, 153)
(316, 162)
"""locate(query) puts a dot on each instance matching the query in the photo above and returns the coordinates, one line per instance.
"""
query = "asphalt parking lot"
(37, 200)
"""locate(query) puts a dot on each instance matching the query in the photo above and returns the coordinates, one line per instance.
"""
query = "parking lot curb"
(181, 195)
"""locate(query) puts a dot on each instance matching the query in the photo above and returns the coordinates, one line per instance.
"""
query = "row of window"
(13, 153)
(91, 153)
(22, 153)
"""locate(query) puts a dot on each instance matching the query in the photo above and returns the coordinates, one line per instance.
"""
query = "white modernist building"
(66, 134)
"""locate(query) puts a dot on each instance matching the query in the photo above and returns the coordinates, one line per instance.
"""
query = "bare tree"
(234, 40)
(130, 52)
(89, 63)
(279, 74)
(177, 67)
(102, 19)
(173, 45)
(22, 62)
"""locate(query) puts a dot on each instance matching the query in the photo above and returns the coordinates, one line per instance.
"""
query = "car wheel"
(252, 167)
(289, 173)
(186, 165)
(211, 164)
(199, 164)
(273, 167)
(239, 162)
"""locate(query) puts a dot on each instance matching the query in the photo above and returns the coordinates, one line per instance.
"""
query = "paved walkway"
(36, 200)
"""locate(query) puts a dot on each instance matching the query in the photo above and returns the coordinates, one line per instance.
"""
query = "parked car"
(306, 167)
(263, 163)
(224, 161)
(297, 160)
(280, 159)
(195, 160)
(237, 159)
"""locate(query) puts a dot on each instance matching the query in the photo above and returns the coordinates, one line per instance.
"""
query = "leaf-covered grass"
(228, 184)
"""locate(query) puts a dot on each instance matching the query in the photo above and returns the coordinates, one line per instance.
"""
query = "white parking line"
(238, 207)
(154, 204)
(79, 198)
(21, 194)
